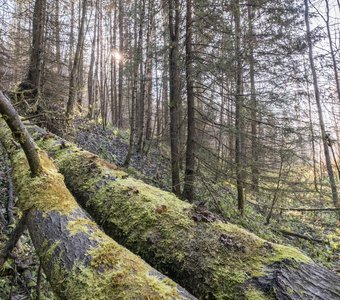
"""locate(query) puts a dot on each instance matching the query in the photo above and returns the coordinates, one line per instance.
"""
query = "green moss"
(253, 294)
(115, 271)
(46, 192)
(80, 225)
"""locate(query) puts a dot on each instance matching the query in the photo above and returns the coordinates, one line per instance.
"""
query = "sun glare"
(116, 55)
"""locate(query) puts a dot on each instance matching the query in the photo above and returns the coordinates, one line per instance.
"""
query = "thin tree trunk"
(189, 181)
(57, 37)
(90, 80)
(71, 38)
(311, 125)
(275, 197)
(253, 101)
(174, 80)
(113, 36)
(239, 157)
(141, 98)
(320, 112)
(120, 72)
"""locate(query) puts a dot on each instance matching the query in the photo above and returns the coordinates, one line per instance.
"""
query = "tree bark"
(212, 259)
(174, 101)
(239, 118)
(57, 38)
(253, 101)
(79, 260)
(36, 56)
(72, 97)
(138, 53)
(141, 99)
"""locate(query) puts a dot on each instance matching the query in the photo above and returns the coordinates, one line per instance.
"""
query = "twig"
(31, 117)
(10, 203)
(301, 236)
(327, 209)
(38, 286)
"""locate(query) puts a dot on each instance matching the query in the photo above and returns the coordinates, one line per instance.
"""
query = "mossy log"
(79, 260)
(212, 259)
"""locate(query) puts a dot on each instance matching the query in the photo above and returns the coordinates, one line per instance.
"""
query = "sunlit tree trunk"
(113, 58)
(120, 71)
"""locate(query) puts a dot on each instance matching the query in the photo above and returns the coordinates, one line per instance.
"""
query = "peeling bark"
(80, 261)
(211, 259)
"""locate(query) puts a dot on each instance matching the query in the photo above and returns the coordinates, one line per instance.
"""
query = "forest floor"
(18, 277)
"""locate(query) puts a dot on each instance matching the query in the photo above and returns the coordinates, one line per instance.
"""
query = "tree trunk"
(113, 42)
(36, 56)
(148, 75)
(253, 103)
(120, 71)
(72, 97)
(142, 74)
(320, 112)
(239, 119)
(189, 181)
(175, 94)
(90, 79)
(312, 134)
(212, 259)
(79, 260)
(138, 53)
(57, 38)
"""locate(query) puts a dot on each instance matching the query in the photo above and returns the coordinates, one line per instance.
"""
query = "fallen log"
(79, 260)
(210, 258)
